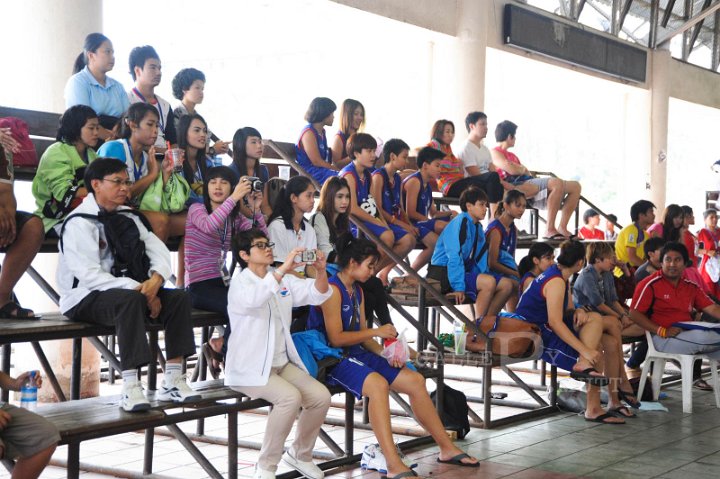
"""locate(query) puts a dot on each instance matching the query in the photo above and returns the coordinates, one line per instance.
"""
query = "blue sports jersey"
(391, 194)
(318, 173)
(316, 319)
(424, 197)
(533, 304)
(509, 236)
(362, 187)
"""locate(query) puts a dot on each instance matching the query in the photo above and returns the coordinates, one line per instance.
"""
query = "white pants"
(288, 389)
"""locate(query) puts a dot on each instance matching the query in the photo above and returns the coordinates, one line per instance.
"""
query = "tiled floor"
(656, 444)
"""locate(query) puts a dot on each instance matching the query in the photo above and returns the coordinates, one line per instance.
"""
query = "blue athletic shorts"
(378, 230)
(351, 372)
(556, 351)
(425, 227)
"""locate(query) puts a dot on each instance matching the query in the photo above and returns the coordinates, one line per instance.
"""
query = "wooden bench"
(99, 417)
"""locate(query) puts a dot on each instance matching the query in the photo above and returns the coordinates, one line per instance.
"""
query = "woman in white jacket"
(262, 361)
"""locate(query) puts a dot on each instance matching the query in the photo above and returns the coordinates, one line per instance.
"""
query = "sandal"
(603, 419)
(623, 412)
(213, 359)
(12, 310)
(702, 385)
(585, 376)
(458, 461)
(630, 398)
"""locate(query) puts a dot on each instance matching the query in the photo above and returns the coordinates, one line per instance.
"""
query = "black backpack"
(455, 411)
(123, 237)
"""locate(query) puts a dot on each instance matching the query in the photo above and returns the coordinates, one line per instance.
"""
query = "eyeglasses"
(118, 182)
(262, 246)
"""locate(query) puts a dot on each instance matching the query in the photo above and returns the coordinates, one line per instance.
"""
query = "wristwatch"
(211, 151)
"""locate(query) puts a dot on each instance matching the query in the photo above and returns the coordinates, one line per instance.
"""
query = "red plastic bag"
(27, 156)
(396, 351)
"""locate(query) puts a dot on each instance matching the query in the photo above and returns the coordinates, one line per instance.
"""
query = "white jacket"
(252, 340)
(85, 256)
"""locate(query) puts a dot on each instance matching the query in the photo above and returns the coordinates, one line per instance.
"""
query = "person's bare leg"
(159, 222)
(571, 192)
(31, 467)
(555, 195)
(485, 285)
(19, 256)
(512, 301)
(423, 258)
(376, 389)
(503, 291)
(413, 384)
(401, 248)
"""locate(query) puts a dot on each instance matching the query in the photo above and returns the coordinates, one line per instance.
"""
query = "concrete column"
(659, 110)
(41, 40)
(473, 19)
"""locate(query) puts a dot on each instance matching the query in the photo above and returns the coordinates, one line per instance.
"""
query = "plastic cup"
(176, 155)
(460, 342)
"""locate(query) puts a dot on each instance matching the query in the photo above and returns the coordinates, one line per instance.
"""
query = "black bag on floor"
(455, 411)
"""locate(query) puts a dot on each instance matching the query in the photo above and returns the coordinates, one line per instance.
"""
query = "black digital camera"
(255, 183)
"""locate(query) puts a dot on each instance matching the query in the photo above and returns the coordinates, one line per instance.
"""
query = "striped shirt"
(208, 238)
(451, 169)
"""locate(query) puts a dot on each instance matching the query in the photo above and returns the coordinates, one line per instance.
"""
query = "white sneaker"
(307, 469)
(133, 399)
(177, 390)
(373, 458)
(263, 474)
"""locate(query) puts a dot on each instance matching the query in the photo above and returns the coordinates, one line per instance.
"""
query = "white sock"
(130, 377)
(172, 370)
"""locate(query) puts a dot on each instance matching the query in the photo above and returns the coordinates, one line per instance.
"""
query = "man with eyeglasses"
(664, 304)
(92, 288)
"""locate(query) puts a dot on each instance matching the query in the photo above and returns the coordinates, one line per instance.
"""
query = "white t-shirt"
(286, 239)
(472, 155)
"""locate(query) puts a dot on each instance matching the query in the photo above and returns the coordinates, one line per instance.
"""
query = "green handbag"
(168, 198)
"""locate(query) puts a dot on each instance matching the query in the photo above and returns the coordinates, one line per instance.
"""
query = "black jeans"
(127, 311)
(376, 300)
(212, 295)
(488, 182)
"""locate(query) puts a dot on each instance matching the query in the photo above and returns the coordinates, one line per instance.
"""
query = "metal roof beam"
(667, 13)
(697, 28)
(624, 12)
(691, 22)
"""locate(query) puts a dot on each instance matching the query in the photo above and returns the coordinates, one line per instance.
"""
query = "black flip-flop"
(555, 237)
(618, 412)
(585, 377)
(457, 461)
(630, 398)
(401, 475)
(602, 419)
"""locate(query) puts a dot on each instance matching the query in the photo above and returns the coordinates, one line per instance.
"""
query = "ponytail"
(536, 251)
(357, 249)
(92, 43)
(512, 196)
(571, 251)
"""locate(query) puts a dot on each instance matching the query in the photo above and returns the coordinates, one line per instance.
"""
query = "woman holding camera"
(262, 361)
(209, 231)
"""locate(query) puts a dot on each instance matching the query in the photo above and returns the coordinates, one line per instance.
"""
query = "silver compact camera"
(308, 256)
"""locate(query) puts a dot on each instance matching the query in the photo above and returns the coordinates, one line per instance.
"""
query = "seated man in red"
(664, 302)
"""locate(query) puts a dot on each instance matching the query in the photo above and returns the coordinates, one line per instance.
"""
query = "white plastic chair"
(658, 358)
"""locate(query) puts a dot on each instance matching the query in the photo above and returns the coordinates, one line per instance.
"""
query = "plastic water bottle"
(28, 393)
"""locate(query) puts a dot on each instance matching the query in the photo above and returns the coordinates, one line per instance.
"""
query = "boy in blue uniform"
(417, 202)
(361, 148)
(454, 261)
